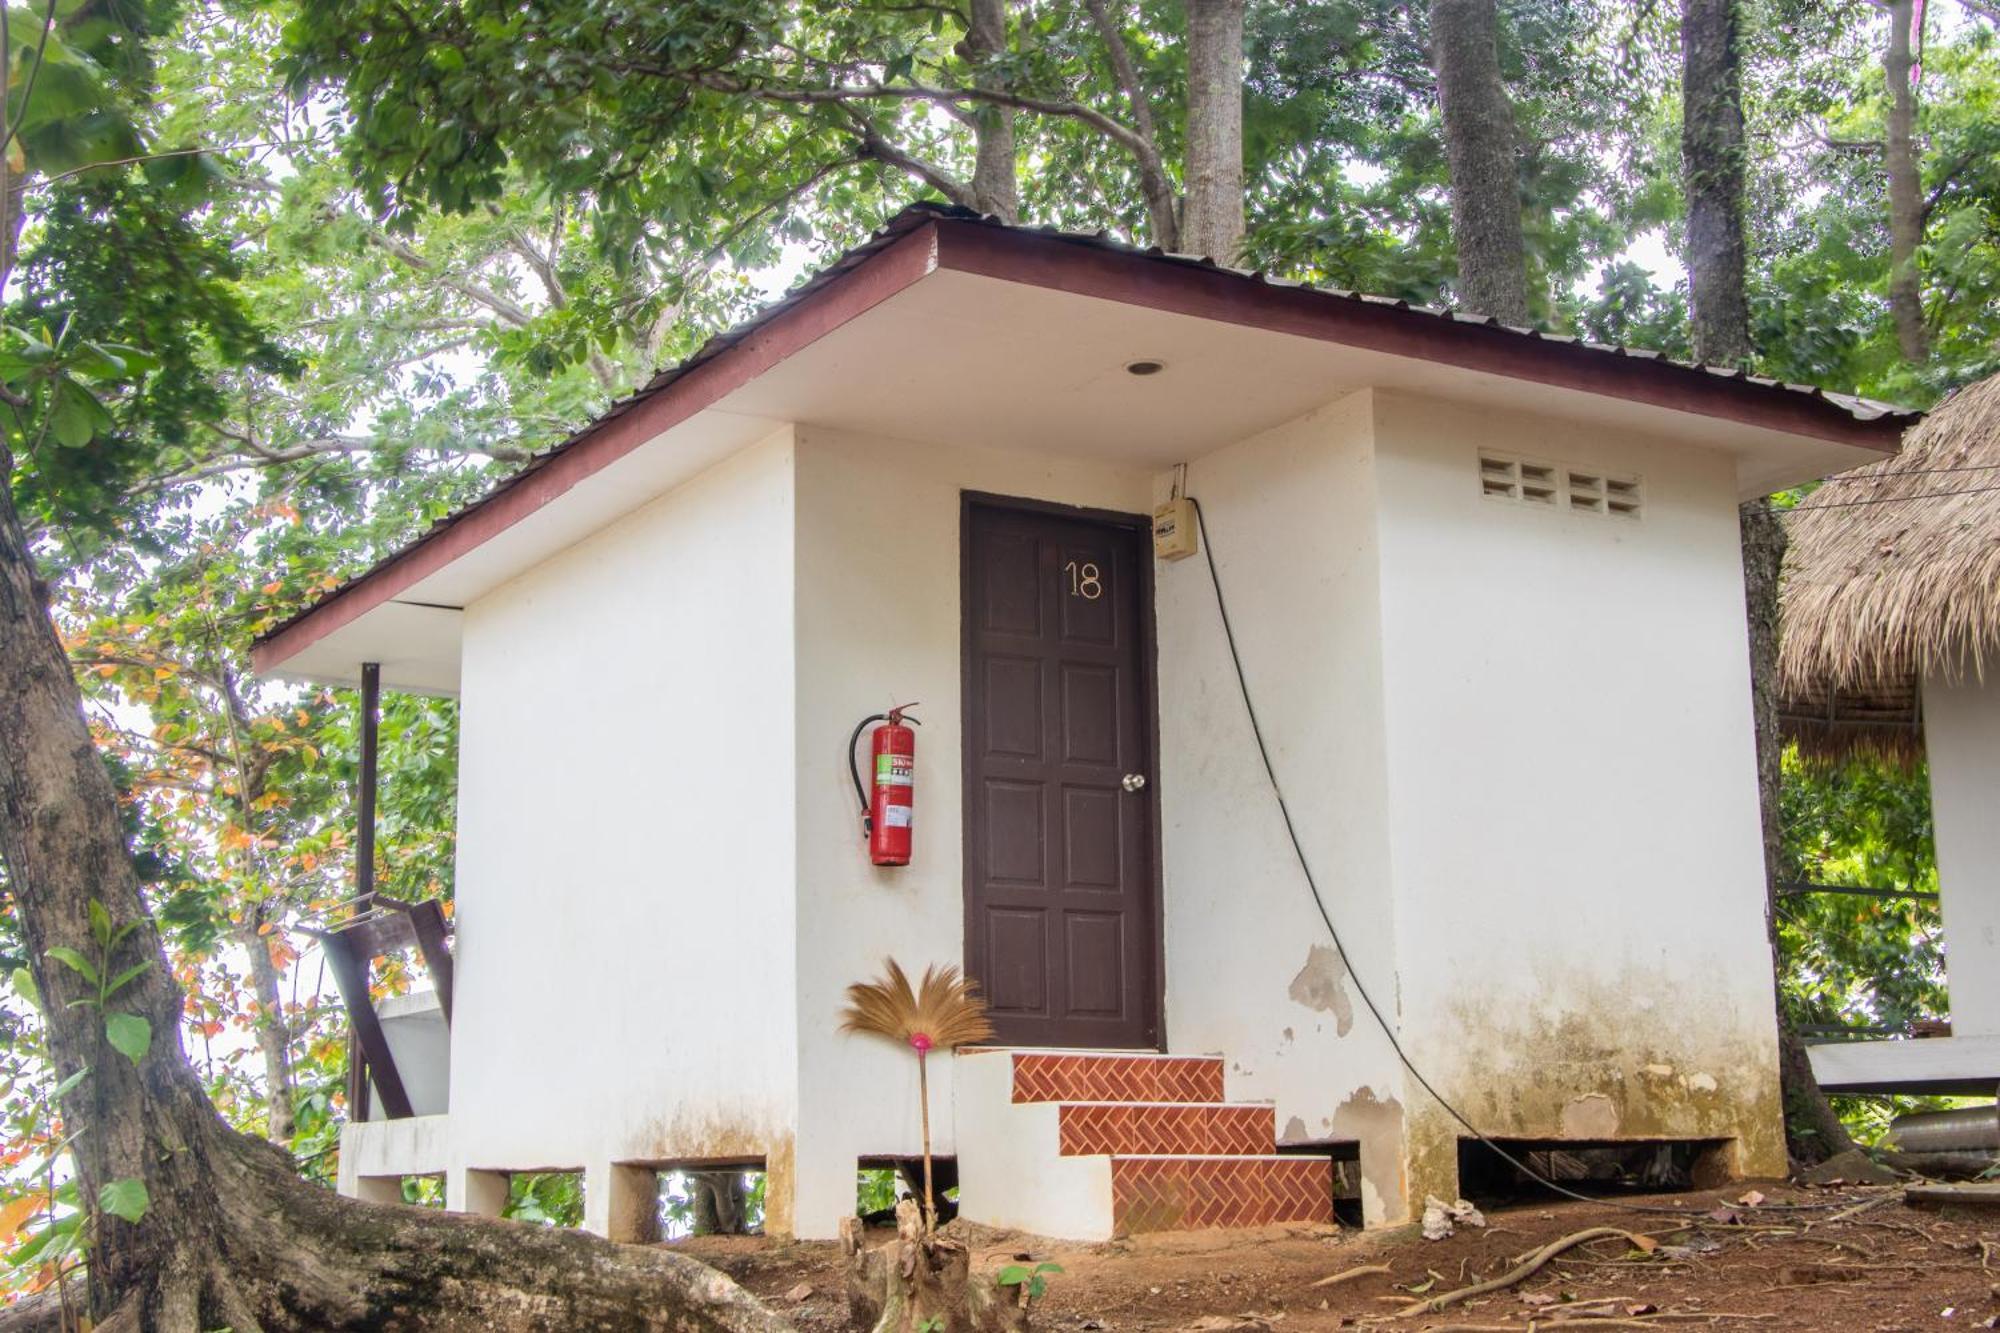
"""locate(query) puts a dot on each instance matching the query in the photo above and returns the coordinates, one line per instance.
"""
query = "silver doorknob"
(1134, 781)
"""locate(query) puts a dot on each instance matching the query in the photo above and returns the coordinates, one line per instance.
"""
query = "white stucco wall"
(1516, 743)
(878, 624)
(626, 867)
(1251, 971)
(420, 1044)
(1573, 805)
(1962, 738)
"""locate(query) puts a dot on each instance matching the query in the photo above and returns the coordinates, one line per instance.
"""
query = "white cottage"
(1487, 594)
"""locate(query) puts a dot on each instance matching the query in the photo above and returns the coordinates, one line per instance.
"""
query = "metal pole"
(371, 712)
(364, 881)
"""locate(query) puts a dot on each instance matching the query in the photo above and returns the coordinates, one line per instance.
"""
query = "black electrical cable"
(1312, 883)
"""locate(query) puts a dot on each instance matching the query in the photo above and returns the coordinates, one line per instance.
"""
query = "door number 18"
(1085, 580)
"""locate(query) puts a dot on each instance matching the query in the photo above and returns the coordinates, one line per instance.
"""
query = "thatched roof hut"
(1893, 573)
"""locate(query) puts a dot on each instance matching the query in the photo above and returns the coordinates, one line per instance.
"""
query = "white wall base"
(384, 1150)
(1009, 1172)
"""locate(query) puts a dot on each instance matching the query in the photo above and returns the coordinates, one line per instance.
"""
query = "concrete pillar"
(1376, 1123)
(621, 1202)
(1718, 1164)
(1962, 739)
(1430, 1155)
(821, 1182)
(378, 1189)
(781, 1190)
(481, 1192)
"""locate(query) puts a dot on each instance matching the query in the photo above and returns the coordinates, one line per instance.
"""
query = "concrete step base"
(1086, 1145)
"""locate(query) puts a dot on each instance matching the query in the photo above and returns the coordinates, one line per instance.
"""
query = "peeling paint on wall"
(1376, 1123)
(1322, 985)
(1581, 1062)
(1591, 1116)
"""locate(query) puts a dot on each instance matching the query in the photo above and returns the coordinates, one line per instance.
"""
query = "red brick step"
(1068, 1076)
(1200, 1193)
(1178, 1128)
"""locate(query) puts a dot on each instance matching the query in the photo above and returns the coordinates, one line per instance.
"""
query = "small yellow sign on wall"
(1175, 534)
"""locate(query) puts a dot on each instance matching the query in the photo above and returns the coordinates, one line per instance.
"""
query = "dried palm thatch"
(941, 1014)
(1893, 573)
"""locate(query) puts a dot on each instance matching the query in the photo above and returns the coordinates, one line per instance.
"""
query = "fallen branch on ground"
(1527, 1268)
(1540, 1325)
(1364, 1270)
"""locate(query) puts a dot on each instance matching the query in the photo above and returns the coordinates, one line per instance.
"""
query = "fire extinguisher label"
(895, 816)
(894, 770)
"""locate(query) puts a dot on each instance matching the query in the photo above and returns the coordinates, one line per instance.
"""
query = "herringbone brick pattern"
(1165, 1127)
(1067, 1077)
(1201, 1193)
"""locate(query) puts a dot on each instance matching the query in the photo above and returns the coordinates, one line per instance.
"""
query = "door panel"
(1062, 927)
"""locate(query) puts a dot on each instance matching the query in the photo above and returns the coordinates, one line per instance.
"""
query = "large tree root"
(271, 1253)
(920, 1283)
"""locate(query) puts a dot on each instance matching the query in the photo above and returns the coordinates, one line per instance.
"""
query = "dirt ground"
(1848, 1259)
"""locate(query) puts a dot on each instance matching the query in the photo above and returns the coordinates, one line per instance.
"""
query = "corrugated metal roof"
(919, 215)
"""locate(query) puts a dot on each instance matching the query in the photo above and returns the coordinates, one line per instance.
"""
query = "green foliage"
(1855, 960)
(116, 266)
(129, 1034)
(1034, 1279)
(875, 1191)
(124, 1198)
(552, 1198)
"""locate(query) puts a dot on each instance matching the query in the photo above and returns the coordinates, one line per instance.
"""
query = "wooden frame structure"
(375, 926)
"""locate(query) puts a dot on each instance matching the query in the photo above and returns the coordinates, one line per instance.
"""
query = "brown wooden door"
(1061, 904)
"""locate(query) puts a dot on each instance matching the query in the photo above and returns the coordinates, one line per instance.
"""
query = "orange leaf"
(16, 1214)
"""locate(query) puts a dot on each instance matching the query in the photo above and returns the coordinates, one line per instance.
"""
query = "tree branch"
(873, 145)
(716, 81)
(506, 308)
(255, 453)
(1161, 205)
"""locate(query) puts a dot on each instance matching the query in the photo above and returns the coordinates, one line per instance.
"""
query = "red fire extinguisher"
(885, 806)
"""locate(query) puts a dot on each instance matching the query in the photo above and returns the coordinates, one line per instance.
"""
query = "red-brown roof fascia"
(927, 236)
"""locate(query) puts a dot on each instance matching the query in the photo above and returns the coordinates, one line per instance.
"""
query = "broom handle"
(924, 1096)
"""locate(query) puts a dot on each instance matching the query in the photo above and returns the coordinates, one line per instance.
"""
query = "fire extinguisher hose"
(854, 768)
(854, 739)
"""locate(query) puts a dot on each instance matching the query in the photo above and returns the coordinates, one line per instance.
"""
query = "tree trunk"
(1480, 151)
(1906, 205)
(1813, 1131)
(274, 1034)
(229, 1234)
(718, 1202)
(924, 1283)
(1212, 212)
(993, 182)
(1712, 157)
(1712, 162)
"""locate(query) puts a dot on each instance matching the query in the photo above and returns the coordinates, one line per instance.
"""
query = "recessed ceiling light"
(1145, 367)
